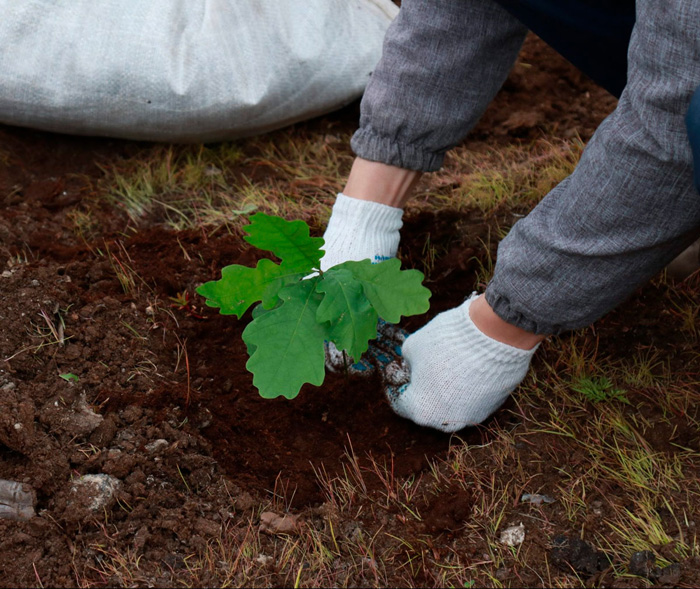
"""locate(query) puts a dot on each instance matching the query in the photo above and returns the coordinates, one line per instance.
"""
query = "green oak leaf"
(391, 291)
(287, 343)
(353, 321)
(288, 240)
(259, 310)
(285, 338)
(240, 286)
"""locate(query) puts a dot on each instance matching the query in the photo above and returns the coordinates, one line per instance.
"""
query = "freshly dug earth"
(103, 376)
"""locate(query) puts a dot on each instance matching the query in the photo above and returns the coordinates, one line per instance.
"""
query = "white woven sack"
(183, 70)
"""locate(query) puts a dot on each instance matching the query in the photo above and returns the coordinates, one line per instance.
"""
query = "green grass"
(599, 389)
(511, 179)
(186, 187)
(182, 187)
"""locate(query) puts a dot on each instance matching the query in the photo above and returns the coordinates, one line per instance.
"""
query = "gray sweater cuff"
(369, 145)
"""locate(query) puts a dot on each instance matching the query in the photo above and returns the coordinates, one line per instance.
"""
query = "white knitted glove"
(360, 230)
(452, 375)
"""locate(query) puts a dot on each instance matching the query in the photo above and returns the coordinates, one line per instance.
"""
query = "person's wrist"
(490, 324)
(380, 183)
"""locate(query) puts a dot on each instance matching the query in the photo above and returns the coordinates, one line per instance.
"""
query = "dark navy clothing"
(592, 34)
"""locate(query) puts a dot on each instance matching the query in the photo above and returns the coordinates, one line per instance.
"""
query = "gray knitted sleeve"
(443, 62)
(629, 207)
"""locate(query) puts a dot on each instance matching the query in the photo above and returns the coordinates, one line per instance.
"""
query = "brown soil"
(163, 402)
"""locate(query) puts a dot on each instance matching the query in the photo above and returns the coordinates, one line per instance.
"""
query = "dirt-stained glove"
(381, 352)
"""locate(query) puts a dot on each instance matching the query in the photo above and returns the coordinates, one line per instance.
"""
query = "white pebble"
(513, 536)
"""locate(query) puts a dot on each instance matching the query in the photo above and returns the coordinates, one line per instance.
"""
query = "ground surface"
(101, 373)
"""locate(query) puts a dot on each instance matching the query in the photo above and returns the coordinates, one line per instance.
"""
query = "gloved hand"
(359, 230)
(382, 351)
(450, 375)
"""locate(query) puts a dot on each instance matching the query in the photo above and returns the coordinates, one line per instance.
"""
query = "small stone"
(271, 523)
(514, 535)
(16, 500)
(536, 499)
(642, 563)
(156, 445)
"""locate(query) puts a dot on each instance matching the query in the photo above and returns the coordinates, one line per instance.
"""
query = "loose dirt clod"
(95, 491)
(669, 575)
(571, 553)
(642, 563)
